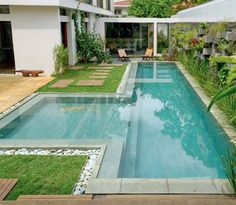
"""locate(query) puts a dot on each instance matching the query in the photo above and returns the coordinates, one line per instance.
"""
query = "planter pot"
(220, 35)
(230, 36)
(207, 51)
(209, 39)
(201, 31)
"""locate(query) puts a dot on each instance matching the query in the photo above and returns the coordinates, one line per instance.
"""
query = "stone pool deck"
(15, 88)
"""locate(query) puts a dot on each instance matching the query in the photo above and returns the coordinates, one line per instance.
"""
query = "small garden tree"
(89, 44)
(151, 8)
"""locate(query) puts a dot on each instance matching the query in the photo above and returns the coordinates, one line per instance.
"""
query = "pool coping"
(218, 114)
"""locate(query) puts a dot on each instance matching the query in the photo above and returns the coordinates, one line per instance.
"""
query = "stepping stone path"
(97, 77)
(61, 84)
(76, 67)
(101, 68)
(90, 83)
(105, 74)
(103, 71)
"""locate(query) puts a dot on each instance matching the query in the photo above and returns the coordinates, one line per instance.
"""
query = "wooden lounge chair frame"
(27, 73)
(122, 55)
(148, 54)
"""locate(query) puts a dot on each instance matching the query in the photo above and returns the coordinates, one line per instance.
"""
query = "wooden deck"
(6, 186)
(126, 200)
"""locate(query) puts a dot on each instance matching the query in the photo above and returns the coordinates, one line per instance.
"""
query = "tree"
(151, 8)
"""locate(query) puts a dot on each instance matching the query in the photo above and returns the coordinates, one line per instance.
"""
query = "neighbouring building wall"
(35, 31)
(217, 10)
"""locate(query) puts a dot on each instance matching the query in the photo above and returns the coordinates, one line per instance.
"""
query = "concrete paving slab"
(90, 83)
(103, 71)
(102, 74)
(101, 68)
(198, 186)
(223, 186)
(104, 186)
(148, 186)
(97, 77)
(76, 67)
(61, 84)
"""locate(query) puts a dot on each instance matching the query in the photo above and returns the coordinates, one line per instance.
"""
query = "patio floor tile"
(97, 77)
(61, 84)
(90, 83)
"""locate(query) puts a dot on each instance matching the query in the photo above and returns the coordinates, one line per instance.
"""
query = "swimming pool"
(166, 130)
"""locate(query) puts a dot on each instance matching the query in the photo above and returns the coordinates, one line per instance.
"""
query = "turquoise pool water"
(165, 126)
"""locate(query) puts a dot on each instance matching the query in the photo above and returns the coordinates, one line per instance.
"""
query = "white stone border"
(86, 173)
(216, 111)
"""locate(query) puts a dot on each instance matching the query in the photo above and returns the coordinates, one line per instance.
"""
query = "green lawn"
(110, 85)
(41, 174)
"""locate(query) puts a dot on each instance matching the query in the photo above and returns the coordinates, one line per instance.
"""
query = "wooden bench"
(6, 185)
(54, 197)
(27, 73)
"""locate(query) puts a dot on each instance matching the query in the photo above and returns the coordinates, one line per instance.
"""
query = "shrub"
(60, 56)
(91, 45)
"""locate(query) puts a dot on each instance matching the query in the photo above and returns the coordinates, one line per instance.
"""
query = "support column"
(95, 2)
(71, 39)
(91, 22)
(105, 4)
(155, 33)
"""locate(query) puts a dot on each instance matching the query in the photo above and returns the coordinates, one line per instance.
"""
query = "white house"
(121, 7)
(30, 29)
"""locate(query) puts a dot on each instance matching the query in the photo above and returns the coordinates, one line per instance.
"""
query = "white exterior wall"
(35, 31)
(218, 10)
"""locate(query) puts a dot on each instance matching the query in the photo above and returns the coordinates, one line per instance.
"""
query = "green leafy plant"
(90, 45)
(60, 57)
(151, 8)
(214, 28)
(223, 74)
(222, 45)
(229, 162)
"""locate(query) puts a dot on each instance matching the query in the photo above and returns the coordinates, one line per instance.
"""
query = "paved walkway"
(15, 88)
(135, 200)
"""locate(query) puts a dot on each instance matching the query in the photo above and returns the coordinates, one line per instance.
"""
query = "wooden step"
(55, 197)
(6, 185)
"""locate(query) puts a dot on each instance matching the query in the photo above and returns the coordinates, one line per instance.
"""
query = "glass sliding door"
(135, 38)
(7, 62)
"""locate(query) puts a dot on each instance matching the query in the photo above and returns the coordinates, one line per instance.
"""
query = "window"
(4, 9)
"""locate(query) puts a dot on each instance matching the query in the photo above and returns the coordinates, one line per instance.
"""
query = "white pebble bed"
(86, 173)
